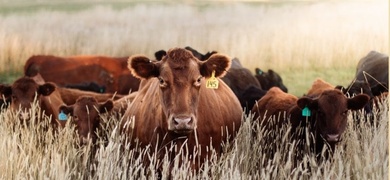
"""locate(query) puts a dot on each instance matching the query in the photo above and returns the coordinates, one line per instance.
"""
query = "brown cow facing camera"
(174, 107)
(327, 119)
(329, 115)
(85, 115)
(23, 92)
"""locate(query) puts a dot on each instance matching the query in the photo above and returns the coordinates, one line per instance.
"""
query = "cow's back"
(376, 65)
(109, 72)
(274, 103)
(318, 87)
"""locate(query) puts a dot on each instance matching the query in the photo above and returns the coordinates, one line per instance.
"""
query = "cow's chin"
(183, 131)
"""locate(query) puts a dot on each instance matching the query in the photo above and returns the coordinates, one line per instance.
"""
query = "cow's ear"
(258, 71)
(307, 102)
(160, 54)
(341, 88)
(46, 89)
(142, 67)
(358, 102)
(66, 109)
(106, 106)
(5, 90)
(208, 54)
(218, 63)
(378, 89)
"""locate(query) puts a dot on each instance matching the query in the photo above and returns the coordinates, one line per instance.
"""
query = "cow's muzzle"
(182, 124)
(332, 137)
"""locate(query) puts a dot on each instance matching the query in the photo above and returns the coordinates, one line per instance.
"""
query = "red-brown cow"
(273, 104)
(120, 105)
(23, 92)
(174, 106)
(85, 115)
(318, 87)
(325, 114)
(108, 72)
(70, 96)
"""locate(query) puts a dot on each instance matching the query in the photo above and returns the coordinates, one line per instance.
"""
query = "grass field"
(300, 40)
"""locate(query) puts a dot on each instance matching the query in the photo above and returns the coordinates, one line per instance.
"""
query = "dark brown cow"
(174, 106)
(109, 72)
(85, 115)
(328, 114)
(269, 79)
(239, 79)
(23, 92)
(328, 119)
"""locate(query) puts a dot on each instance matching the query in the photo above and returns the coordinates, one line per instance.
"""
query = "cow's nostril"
(332, 137)
(182, 120)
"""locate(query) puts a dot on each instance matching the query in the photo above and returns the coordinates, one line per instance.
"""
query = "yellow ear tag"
(212, 82)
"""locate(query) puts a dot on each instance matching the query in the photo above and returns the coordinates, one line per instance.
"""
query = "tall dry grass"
(300, 40)
(32, 150)
(291, 37)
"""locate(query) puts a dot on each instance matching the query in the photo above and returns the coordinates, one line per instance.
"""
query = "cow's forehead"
(182, 67)
(87, 103)
(332, 99)
(25, 85)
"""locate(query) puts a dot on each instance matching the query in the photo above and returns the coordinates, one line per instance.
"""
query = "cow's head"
(357, 87)
(330, 110)
(23, 91)
(86, 116)
(269, 79)
(180, 76)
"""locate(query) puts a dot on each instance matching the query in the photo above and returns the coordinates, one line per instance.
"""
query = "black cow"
(244, 85)
(270, 79)
(88, 86)
(371, 78)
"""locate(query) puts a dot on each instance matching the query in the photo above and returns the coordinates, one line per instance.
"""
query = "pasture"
(299, 40)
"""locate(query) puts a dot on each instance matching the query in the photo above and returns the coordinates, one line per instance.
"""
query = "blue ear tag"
(259, 72)
(306, 112)
(62, 116)
(101, 90)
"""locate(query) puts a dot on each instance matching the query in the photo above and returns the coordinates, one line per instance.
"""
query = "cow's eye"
(198, 82)
(162, 82)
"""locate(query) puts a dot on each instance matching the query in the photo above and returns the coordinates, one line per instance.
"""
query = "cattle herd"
(184, 97)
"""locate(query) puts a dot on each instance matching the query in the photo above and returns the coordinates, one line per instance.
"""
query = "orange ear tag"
(212, 82)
